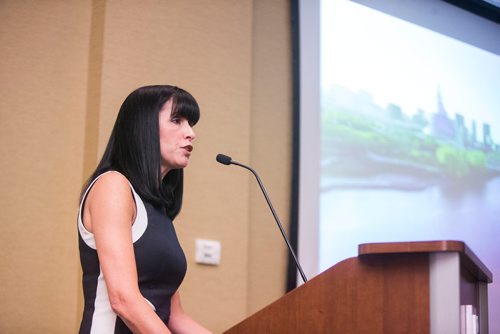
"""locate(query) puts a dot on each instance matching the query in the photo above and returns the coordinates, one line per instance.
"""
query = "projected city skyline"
(429, 147)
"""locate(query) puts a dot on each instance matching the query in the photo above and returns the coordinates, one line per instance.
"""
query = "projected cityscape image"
(410, 138)
(368, 145)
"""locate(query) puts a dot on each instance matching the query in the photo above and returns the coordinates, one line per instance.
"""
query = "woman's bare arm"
(109, 213)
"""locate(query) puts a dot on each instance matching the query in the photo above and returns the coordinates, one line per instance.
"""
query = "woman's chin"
(166, 170)
(182, 164)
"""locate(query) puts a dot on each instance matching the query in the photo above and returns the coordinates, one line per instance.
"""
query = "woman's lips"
(188, 148)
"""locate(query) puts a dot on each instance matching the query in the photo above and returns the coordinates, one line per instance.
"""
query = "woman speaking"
(131, 258)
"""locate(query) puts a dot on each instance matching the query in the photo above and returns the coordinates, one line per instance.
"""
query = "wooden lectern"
(401, 287)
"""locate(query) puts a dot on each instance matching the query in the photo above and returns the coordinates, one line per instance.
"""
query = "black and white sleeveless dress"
(161, 266)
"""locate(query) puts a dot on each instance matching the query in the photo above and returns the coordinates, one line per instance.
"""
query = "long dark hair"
(134, 145)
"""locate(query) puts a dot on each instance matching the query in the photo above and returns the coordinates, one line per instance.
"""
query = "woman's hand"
(180, 322)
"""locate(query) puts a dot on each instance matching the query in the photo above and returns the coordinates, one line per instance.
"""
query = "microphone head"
(223, 159)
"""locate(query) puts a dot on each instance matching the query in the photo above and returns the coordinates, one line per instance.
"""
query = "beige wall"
(66, 66)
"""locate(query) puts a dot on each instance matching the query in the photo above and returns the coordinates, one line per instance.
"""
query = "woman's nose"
(190, 132)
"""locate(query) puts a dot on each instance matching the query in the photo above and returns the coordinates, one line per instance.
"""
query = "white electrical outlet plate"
(208, 252)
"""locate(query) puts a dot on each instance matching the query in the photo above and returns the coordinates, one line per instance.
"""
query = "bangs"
(185, 106)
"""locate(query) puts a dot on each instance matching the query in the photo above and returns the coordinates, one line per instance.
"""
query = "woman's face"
(176, 140)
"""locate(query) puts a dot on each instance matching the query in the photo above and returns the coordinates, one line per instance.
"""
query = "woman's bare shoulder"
(111, 181)
(112, 188)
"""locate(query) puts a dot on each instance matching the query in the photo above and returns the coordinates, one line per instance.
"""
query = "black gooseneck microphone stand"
(225, 160)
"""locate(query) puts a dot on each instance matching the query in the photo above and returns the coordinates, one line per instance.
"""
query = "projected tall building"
(442, 125)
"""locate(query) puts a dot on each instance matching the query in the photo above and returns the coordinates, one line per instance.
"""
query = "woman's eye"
(175, 120)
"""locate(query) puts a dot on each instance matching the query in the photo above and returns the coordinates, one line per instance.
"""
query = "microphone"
(225, 160)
